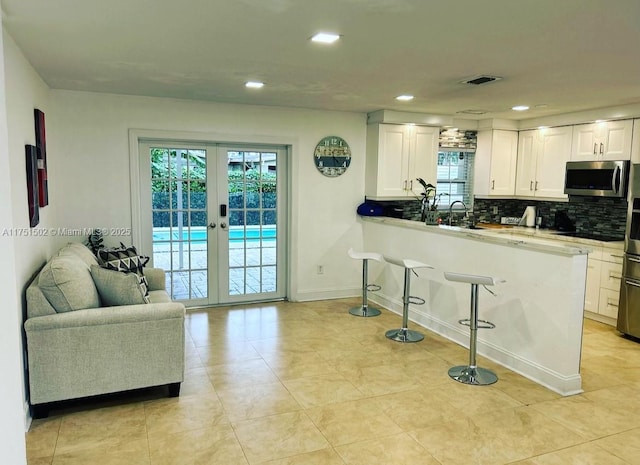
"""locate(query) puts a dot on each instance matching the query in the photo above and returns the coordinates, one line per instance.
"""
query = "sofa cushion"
(67, 284)
(159, 296)
(80, 250)
(118, 288)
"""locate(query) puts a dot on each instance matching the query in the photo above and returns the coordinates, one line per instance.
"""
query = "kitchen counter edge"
(533, 239)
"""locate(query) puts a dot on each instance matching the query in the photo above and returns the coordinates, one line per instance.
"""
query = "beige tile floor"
(308, 384)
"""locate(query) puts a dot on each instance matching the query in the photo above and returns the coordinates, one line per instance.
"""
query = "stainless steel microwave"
(597, 178)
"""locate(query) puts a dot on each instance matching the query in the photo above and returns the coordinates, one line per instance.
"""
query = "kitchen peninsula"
(538, 311)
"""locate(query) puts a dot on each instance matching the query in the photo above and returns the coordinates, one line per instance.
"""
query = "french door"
(217, 222)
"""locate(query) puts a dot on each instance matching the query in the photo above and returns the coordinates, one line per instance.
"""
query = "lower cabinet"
(604, 274)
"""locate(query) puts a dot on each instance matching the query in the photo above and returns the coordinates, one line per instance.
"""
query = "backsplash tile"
(593, 215)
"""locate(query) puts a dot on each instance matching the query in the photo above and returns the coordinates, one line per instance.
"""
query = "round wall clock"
(332, 156)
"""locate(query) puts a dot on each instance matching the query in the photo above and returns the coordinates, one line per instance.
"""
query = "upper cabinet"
(495, 163)
(607, 140)
(635, 145)
(396, 156)
(542, 159)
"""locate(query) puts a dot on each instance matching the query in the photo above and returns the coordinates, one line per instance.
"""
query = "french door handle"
(212, 225)
(223, 225)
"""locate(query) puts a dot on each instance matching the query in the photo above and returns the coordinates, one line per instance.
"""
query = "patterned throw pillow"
(127, 260)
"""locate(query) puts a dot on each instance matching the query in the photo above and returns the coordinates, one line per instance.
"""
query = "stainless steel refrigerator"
(629, 309)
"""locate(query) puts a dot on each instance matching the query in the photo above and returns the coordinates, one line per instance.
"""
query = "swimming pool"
(236, 233)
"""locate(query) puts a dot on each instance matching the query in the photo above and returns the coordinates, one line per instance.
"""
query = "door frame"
(138, 169)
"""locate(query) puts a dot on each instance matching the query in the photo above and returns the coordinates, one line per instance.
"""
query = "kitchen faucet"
(466, 210)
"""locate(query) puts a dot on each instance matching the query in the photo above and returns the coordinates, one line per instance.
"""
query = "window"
(455, 178)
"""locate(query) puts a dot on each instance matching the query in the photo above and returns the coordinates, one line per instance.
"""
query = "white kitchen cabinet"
(606, 140)
(495, 163)
(592, 292)
(604, 274)
(635, 143)
(396, 156)
(542, 158)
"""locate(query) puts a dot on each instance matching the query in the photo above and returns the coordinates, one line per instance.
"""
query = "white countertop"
(543, 240)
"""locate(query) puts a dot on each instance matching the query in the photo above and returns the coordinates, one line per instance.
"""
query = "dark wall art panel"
(31, 153)
(41, 144)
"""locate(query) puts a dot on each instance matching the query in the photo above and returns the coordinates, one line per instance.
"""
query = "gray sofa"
(78, 347)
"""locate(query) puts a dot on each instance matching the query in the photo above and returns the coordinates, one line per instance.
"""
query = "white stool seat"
(473, 279)
(406, 262)
(364, 255)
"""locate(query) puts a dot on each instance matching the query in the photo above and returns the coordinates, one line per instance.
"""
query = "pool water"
(200, 234)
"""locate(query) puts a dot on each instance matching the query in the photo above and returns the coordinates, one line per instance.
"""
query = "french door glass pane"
(252, 220)
(179, 219)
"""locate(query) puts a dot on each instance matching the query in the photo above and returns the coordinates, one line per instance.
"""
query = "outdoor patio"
(252, 267)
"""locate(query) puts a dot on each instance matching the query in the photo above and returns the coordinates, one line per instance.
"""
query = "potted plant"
(429, 199)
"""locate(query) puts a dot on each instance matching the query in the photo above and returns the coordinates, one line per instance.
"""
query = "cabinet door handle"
(536, 186)
(493, 184)
(614, 276)
(611, 303)
(601, 148)
(530, 185)
(595, 148)
(411, 185)
(404, 185)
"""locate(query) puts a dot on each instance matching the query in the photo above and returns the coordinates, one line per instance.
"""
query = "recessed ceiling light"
(325, 37)
(520, 108)
(404, 98)
(254, 84)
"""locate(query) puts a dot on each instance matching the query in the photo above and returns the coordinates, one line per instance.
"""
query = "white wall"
(12, 441)
(25, 91)
(88, 139)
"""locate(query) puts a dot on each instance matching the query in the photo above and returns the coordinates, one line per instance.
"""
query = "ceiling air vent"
(472, 112)
(478, 80)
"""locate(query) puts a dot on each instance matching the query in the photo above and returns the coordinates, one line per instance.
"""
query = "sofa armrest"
(155, 278)
(107, 316)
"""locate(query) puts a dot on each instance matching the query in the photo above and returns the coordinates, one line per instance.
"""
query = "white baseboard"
(325, 294)
(601, 318)
(563, 385)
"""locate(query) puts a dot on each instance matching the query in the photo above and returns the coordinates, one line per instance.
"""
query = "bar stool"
(364, 310)
(473, 374)
(405, 334)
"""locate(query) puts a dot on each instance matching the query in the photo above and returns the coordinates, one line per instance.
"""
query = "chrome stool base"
(470, 375)
(404, 335)
(364, 311)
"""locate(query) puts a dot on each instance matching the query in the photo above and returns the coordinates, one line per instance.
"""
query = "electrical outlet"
(320, 269)
(494, 210)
